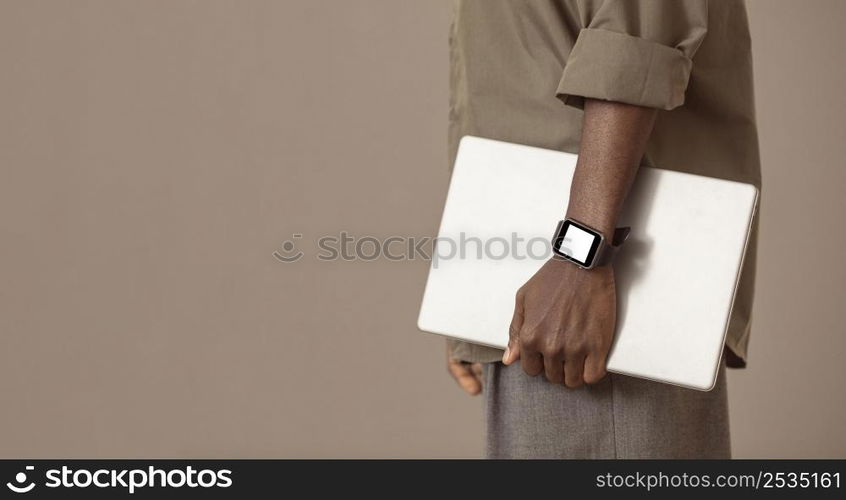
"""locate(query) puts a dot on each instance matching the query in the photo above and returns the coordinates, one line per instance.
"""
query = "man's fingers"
(512, 352)
(573, 371)
(554, 367)
(476, 368)
(464, 376)
(532, 362)
(594, 369)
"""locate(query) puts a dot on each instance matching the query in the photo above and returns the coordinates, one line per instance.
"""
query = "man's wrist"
(569, 270)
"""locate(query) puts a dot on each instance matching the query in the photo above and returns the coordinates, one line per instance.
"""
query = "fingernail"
(505, 354)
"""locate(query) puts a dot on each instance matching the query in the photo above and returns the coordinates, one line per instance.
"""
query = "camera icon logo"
(289, 254)
(20, 479)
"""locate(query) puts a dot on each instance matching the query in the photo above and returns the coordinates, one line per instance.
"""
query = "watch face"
(577, 243)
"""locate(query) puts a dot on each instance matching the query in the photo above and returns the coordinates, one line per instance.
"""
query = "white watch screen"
(577, 243)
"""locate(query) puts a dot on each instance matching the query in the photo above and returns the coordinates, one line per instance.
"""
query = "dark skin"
(565, 316)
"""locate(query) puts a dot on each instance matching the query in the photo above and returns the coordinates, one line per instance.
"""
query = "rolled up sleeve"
(635, 52)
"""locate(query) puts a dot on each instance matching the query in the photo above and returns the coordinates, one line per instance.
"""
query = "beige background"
(154, 154)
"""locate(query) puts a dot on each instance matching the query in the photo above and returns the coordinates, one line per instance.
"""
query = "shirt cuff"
(472, 353)
(617, 67)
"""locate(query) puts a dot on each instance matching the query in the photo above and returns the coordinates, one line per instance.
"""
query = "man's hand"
(563, 323)
(467, 375)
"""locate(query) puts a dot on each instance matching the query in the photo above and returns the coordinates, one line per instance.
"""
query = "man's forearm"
(614, 137)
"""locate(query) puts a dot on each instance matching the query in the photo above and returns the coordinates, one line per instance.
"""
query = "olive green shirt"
(520, 70)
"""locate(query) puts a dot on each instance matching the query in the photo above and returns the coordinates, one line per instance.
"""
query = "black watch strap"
(609, 249)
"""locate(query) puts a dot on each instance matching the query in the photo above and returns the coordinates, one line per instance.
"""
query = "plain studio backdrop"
(155, 154)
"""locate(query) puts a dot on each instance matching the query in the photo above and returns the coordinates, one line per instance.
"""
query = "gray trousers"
(620, 417)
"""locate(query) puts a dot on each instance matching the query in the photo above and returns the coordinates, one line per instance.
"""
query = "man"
(623, 83)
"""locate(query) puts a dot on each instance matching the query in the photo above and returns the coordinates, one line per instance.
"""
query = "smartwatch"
(584, 246)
